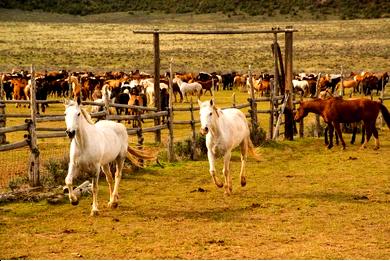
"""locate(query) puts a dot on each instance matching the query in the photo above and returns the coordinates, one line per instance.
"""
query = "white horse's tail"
(134, 155)
(251, 149)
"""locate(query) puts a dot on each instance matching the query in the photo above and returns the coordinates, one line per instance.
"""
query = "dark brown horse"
(337, 110)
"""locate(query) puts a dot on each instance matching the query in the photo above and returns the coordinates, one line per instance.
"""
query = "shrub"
(258, 136)
(183, 149)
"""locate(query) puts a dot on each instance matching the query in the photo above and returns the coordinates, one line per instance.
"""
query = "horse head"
(72, 114)
(206, 112)
(301, 112)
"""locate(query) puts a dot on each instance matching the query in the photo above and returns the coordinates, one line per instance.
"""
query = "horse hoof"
(75, 203)
(243, 182)
(94, 213)
(376, 148)
(219, 184)
(113, 205)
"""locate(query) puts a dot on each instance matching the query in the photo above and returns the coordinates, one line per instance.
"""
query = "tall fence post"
(317, 127)
(382, 96)
(252, 102)
(106, 103)
(342, 81)
(193, 156)
(288, 113)
(157, 103)
(3, 119)
(33, 170)
(171, 151)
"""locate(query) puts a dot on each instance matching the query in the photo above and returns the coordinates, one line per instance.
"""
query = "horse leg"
(363, 133)
(118, 176)
(330, 127)
(244, 156)
(107, 172)
(338, 131)
(376, 136)
(226, 172)
(72, 172)
(326, 133)
(211, 158)
(354, 132)
(95, 180)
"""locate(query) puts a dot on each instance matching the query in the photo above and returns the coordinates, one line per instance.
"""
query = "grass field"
(301, 201)
(106, 42)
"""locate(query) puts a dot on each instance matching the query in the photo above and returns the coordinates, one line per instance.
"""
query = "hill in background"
(344, 9)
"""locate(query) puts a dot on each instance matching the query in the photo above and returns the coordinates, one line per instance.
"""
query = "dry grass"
(301, 202)
(86, 44)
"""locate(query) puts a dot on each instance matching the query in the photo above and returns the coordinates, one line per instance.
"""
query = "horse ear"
(199, 102)
(212, 102)
(65, 102)
(78, 100)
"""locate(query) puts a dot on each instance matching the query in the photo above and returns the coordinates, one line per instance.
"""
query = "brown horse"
(19, 89)
(337, 110)
(352, 85)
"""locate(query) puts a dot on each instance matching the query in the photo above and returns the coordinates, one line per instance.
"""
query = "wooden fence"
(33, 133)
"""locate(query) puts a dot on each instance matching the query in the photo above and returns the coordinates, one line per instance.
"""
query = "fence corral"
(282, 85)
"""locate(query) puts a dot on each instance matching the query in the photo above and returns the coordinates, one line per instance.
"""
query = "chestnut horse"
(337, 110)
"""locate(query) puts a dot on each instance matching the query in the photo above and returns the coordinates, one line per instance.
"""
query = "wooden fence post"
(70, 89)
(253, 104)
(289, 110)
(342, 81)
(317, 127)
(171, 150)
(193, 154)
(3, 119)
(106, 103)
(33, 170)
(382, 96)
(157, 103)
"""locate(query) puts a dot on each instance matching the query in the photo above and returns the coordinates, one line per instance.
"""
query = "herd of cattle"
(137, 88)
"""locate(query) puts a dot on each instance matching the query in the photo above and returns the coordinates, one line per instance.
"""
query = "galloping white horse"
(94, 146)
(193, 88)
(225, 130)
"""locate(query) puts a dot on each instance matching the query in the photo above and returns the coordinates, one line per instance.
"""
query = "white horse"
(193, 88)
(301, 86)
(95, 146)
(148, 85)
(225, 130)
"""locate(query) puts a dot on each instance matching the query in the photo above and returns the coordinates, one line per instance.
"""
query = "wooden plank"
(50, 129)
(22, 127)
(16, 101)
(50, 118)
(186, 122)
(155, 128)
(131, 131)
(51, 135)
(49, 101)
(122, 117)
(141, 108)
(200, 32)
(154, 115)
(17, 115)
(186, 109)
(13, 146)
